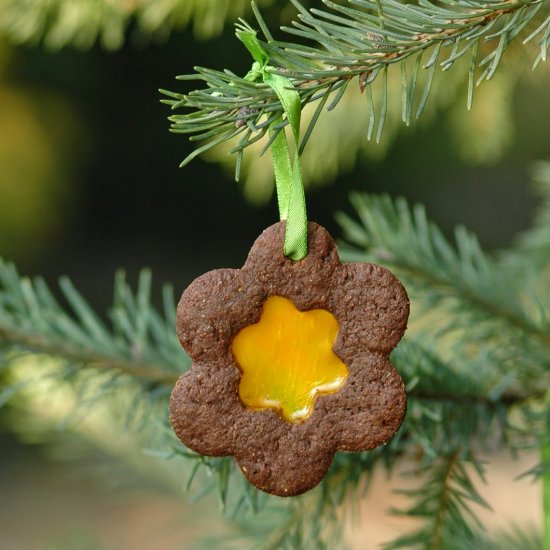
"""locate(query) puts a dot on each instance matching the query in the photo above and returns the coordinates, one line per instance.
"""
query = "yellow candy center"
(286, 359)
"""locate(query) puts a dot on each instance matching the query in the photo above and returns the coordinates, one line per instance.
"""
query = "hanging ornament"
(290, 353)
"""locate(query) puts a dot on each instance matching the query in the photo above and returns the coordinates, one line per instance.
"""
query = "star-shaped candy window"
(286, 359)
(282, 420)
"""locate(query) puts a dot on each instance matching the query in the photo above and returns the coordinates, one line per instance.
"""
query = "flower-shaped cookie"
(290, 361)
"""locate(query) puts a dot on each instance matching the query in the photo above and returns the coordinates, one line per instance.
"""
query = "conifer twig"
(442, 502)
(140, 341)
(19, 339)
(347, 42)
(404, 239)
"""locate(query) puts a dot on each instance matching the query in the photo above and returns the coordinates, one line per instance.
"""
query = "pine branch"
(429, 378)
(73, 354)
(313, 519)
(141, 343)
(405, 240)
(443, 498)
(443, 503)
(354, 42)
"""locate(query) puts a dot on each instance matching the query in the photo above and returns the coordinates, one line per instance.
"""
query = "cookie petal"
(289, 465)
(204, 407)
(213, 309)
(306, 281)
(371, 307)
(369, 409)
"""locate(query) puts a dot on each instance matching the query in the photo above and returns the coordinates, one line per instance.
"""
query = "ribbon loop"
(288, 174)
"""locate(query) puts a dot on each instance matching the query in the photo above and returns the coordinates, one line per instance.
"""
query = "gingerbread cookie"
(290, 361)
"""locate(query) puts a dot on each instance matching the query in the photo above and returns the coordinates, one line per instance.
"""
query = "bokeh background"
(89, 183)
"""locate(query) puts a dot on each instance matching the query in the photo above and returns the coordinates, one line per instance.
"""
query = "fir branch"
(21, 340)
(313, 519)
(141, 342)
(492, 321)
(443, 503)
(404, 239)
(353, 42)
(429, 378)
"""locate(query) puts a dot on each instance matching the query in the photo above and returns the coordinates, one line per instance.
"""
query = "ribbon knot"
(288, 174)
(256, 73)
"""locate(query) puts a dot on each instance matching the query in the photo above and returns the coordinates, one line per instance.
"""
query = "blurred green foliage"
(35, 195)
(81, 23)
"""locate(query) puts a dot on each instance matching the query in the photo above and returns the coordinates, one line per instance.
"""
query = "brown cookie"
(279, 456)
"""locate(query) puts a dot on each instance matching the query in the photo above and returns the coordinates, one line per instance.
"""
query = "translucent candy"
(287, 360)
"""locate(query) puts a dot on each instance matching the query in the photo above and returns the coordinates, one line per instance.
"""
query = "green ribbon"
(288, 174)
